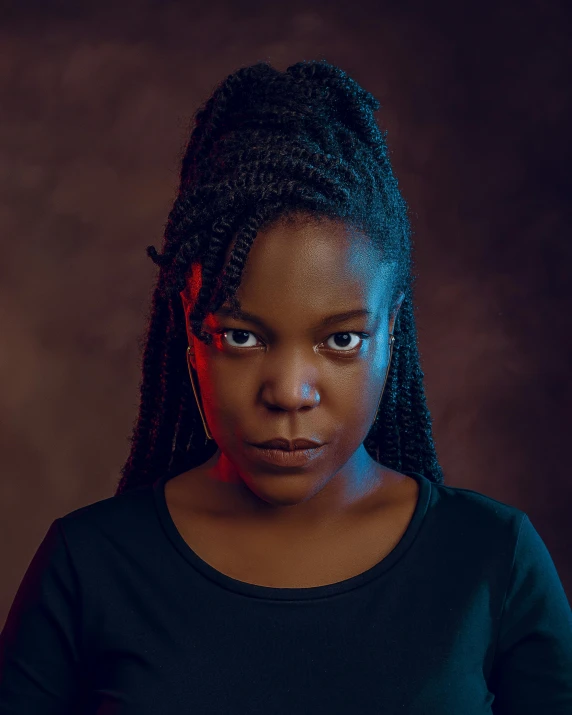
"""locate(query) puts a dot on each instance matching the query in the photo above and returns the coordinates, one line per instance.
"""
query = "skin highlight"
(293, 378)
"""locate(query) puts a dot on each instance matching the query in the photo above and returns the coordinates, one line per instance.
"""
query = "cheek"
(222, 388)
(361, 406)
(367, 389)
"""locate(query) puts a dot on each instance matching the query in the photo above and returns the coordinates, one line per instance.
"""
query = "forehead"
(309, 266)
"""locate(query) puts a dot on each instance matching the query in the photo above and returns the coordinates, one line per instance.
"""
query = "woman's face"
(291, 375)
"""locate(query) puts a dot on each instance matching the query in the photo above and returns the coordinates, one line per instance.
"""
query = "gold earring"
(391, 342)
(209, 436)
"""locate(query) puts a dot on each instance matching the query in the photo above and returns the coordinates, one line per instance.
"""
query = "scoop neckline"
(290, 594)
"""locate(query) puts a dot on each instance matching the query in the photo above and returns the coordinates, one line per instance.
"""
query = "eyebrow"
(329, 320)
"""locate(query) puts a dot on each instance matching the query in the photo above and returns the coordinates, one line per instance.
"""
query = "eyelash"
(363, 336)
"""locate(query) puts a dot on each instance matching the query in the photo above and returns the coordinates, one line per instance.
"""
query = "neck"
(303, 502)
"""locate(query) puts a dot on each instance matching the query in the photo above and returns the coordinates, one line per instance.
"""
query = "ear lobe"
(191, 356)
(396, 307)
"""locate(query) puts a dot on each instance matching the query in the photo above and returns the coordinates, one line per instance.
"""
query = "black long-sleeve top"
(116, 614)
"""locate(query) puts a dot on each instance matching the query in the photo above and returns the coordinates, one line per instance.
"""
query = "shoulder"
(125, 516)
(474, 519)
(478, 502)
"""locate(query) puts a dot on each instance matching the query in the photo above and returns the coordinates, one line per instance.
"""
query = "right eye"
(238, 337)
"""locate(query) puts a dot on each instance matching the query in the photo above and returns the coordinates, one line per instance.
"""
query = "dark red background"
(96, 100)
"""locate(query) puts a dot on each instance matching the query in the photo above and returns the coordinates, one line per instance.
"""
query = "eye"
(347, 344)
(241, 336)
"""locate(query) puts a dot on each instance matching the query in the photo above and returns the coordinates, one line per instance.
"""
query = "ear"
(395, 311)
(190, 337)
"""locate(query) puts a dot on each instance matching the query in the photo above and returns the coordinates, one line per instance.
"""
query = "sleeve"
(532, 670)
(39, 649)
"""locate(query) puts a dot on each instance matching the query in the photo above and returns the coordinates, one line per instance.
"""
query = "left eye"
(344, 338)
(347, 337)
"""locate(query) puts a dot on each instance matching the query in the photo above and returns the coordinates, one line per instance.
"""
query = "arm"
(40, 668)
(532, 671)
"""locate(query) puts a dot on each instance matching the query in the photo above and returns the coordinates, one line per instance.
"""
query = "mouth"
(288, 445)
(285, 458)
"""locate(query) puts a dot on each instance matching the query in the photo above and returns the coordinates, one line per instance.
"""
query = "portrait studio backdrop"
(97, 99)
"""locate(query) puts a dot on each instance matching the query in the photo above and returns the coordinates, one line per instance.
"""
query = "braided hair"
(272, 146)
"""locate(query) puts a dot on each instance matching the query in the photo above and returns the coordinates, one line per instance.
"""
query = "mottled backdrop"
(95, 106)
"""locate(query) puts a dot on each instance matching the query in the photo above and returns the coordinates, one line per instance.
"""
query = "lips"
(281, 461)
(288, 445)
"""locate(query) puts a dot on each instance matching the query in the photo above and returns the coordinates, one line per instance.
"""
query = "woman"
(332, 570)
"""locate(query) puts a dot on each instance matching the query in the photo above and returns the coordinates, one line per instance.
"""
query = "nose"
(289, 379)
